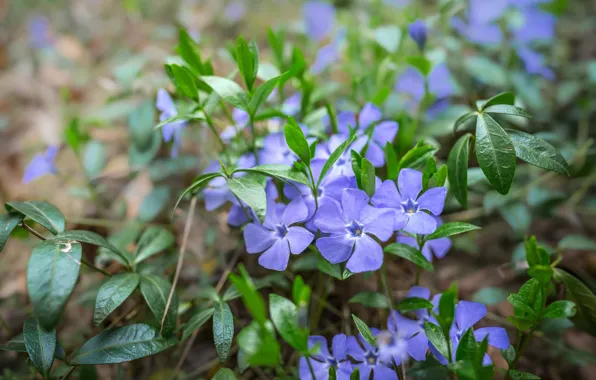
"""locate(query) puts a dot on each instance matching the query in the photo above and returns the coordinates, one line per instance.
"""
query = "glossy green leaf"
(154, 240)
(246, 62)
(367, 177)
(112, 294)
(356, 159)
(518, 302)
(506, 109)
(259, 344)
(467, 347)
(335, 155)
(223, 329)
(279, 171)
(577, 242)
(583, 297)
(414, 303)
(196, 321)
(94, 239)
(364, 330)
(560, 309)
(388, 36)
(155, 291)
(355, 374)
(495, 153)
(183, 80)
(251, 192)
(450, 229)
(463, 119)
(197, 115)
(391, 160)
(52, 273)
(507, 98)
(416, 157)
(189, 51)
(411, 254)
(43, 213)
(437, 338)
(429, 169)
(229, 90)
(251, 297)
(197, 184)
(40, 344)
(439, 178)
(542, 273)
(538, 152)
(224, 374)
(8, 223)
(121, 344)
(457, 169)
(447, 308)
(284, 315)
(296, 141)
(370, 299)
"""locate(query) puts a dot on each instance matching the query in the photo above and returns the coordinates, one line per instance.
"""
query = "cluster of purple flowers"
(404, 338)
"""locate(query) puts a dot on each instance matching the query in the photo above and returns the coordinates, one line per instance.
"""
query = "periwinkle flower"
(534, 63)
(42, 164)
(40, 35)
(319, 19)
(291, 106)
(432, 248)
(324, 359)
(173, 130)
(467, 314)
(480, 26)
(393, 346)
(328, 54)
(368, 358)
(234, 11)
(343, 165)
(276, 150)
(419, 33)
(351, 225)
(409, 206)
(278, 235)
(241, 119)
(537, 25)
(440, 85)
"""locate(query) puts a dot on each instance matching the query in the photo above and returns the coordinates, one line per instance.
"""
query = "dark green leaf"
(189, 51)
(364, 330)
(429, 169)
(506, 109)
(447, 308)
(284, 315)
(538, 152)
(509, 354)
(518, 302)
(16, 344)
(113, 293)
(367, 177)
(391, 160)
(40, 344)
(224, 374)
(196, 321)
(542, 273)
(450, 229)
(507, 98)
(495, 153)
(332, 372)
(355, 374)
(259, 344)
(414, 303)
(251, 297)
(517, 375)
(197, 184)
(223, 329)
(337, 153)
(156, 290)
(52, 273)
(464, 119)
(577, 242)
(438, 179)
(228, 90)
(43, 213)
(121, 344)
(560, 309)
(416, 157)
(457, 166)
(584, 298)
(436, 337)
(279, 171)
(370, 299)
(490, 296)
(8, 222)
(251, 192)
(183, 80)
(154, 240)
(466, 350)
(420, 63)
(411, 254)
(95, 239)
(356, 159)
(296, 140)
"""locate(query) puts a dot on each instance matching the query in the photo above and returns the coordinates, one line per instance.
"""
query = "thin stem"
(315, 191)
(385, 284)
(89, 265)
(191, 211)
(523, 341)
(70, 371)
(37, 234)
(218, 137)
(253, 133)
(417, 279)
(312, 371)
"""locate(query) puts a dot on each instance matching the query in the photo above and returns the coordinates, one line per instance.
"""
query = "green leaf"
(282, 172)
(300, 292)
(183, 80)
(485, 70)
(356, 159)
(284, 315)
(364, 330)
(577, 242)
(463, 119)
(40, 344)
(355, 374)
(223, 329)
(197, 115)
(450, 229)
(495, 153)
(251, 192)
(518, 302)
(542, 273)
(121, 344)
(420, 63)
(155, 291)
(229, 90)
(154, 240)
(333, 270)
(505, 109)
(531, 247)
(188, 50)
(467, 347)
(73, 135)
(560, 309)
(16, 344)
(411, 254)
(259, 344)
(490, 296)
(371, 299)
(584, 298)
(337, 153)
(518, 375)
(437, 338)
(263, 91)
(197, 184)
(8, 223)
(113, 293)
(429, 169)
(388, 36)
(438, 179)
(52, 273)
(414, 303)
(447, 308)
(251, 297)
(507, 98)
(94, 159)
(538, 152)
(391, 160)
(95, 239)
(296, 140)
(509, 354)
(245, 58)
(196, 321)
(367, 177)
(416, 157)
(224, 374)
(457, 169)
(153, 203)
(43, 213)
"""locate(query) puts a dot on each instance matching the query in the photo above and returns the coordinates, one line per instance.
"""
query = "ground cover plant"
(374, 190)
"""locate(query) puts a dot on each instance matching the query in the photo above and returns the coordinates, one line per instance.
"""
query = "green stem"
(251, 124)
(315, 191)
(417, 280)
(312, 371)
(218, 137)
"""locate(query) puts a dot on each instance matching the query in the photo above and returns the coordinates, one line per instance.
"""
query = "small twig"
(191, 211)
(37, 234)
(70, 371)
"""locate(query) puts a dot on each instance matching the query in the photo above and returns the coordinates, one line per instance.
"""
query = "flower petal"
(335, 249)
(236, 217)
(276, 257)
(320, 369)
(329, 219)
(385, 132)
(299, 239)
(467, 314)
(296, 211)
(375, 154)
(354, 349)
(433, 200)
(368, 115)
(323, 353)
(378, 221)
(421, 223)
(418, 346)
(386, 195)
(497, 336)
(258, 238)
(419, 291)
(367, 256)
(384, 373)
(352, 202)
(409, 183)
(339, 346)
(439, 247)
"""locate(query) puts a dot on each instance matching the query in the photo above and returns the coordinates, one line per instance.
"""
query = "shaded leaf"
(43, 213)
(507, 98)
(538, 152)
(411, 254)
(251, 192)
(155, 291)
(457, 169)
(583, 297)
(8, 223)
(450, 229)
(112, 294)
(223, 329)
(196, 321)
(506, 109)
(154, 240)
(414, 303)
(370, 299)
(40, 344)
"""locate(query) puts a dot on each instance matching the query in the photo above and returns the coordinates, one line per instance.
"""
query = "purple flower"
(276, 150)
(538, 25)
(534, 63)
(323, 360)
(292, 104)
(393, 346)
(409, 205)
(170, 131)
(343, 165)
(483, 12)
(328, 54)
(440, 84)
(482, 34)
(350, 225)
(241, 120)
(436, 247)
(40, 35)
(234, 11)
(277, 236)
(467, 314)
(419, 33)
(369, 360)
(319, 19)
(42, 164)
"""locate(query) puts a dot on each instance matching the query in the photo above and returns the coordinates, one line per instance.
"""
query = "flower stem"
(253, 133)
(315, 191)
(312, 371)
(218, 137)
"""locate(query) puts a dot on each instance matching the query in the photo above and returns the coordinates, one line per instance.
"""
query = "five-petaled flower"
(319, 19)
(42, 164)
(323, 360)
(171, 131)
(409, 206)
(278, 236)
(368, 358)
(432, 248)
(350, 226)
